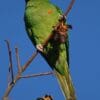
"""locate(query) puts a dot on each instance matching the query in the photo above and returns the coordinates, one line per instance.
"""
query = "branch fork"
(21, 69)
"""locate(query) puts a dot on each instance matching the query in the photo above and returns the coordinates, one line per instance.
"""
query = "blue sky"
(84, 51)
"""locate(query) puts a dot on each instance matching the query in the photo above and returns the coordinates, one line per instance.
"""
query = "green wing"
(67, 51)
(40, 17)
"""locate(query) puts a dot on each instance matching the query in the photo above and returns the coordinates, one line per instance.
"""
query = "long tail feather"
(66, 85)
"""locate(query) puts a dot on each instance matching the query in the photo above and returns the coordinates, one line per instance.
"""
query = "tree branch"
(29, 61)
(35, 75)
(18, 60)
(10, 60)
(20, 70)
(69, 8)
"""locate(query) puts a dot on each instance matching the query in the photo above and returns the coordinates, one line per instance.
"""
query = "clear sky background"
(84, 51)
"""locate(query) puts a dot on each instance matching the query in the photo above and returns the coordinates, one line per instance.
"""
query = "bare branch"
(29, 61)
(35, 75)
(69, 8)
(17, 77)
(18, 60)
(10, 60)
(10, 87)
(20, 70)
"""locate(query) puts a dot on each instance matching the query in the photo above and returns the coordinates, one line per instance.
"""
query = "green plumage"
(40, 17)
(38, 21)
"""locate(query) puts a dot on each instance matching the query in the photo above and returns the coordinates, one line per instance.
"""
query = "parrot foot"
(39, 47)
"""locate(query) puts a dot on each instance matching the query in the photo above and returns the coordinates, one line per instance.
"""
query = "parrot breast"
(40, 17)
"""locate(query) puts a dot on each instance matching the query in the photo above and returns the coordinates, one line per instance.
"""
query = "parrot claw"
(39, 47)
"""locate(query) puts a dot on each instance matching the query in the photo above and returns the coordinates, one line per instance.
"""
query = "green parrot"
(47, 28)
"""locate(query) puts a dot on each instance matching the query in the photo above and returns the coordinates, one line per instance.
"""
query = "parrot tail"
(66, 85)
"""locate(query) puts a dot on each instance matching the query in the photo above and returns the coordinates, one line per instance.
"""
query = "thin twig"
(10, 60)
(36, 75)
(69, 8)
(18, 60)
(29, 61)
(14, 80)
